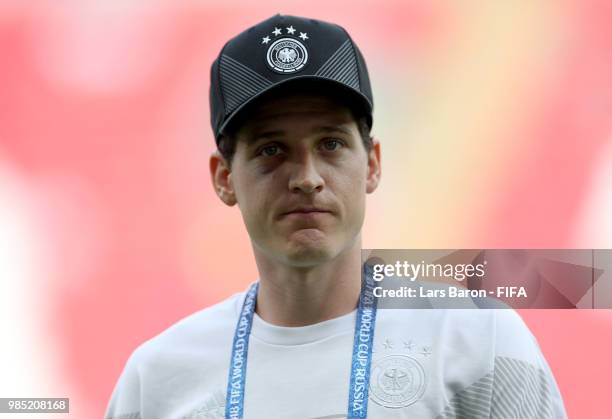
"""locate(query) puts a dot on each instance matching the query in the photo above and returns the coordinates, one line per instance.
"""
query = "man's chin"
(308, 248)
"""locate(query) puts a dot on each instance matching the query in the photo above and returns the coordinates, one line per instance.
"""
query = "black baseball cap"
(281, 50)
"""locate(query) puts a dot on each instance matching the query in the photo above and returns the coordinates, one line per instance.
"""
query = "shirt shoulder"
(198, 334)
(523, 383)
(494, 366)
(513, 338)
(197, 328)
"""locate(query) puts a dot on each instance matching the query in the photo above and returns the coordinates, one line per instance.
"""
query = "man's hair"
(227, 142)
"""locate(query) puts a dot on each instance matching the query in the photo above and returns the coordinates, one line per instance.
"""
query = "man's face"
(299, 176)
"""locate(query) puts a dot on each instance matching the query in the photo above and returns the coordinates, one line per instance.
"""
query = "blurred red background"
(495, 120)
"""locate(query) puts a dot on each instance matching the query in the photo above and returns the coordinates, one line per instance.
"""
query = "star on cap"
(265, 40)
(290, 30)
(303, 35)
(276, 31)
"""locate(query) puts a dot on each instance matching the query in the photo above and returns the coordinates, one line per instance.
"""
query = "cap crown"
(279, 50)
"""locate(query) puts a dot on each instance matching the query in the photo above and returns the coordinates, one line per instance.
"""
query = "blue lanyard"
(360, 364)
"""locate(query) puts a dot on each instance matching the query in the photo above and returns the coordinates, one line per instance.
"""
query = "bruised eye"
(332, 144)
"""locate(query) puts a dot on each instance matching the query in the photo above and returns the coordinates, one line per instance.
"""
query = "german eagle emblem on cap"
(286, 54)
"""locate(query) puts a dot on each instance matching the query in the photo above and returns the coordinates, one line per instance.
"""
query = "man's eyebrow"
(334, 128)
(270, 134)
(252, 139)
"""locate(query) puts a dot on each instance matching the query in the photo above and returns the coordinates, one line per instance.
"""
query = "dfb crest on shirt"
(287, 55)
(397, 381)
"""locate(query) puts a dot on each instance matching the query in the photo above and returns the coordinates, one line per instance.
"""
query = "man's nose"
(305, 176)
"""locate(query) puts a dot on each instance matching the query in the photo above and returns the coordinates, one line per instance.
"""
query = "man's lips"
(306, 211)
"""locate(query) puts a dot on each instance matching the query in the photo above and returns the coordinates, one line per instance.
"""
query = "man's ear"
(373, 176)
(221, 176)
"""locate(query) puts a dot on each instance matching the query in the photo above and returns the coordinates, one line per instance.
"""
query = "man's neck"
(290, 296)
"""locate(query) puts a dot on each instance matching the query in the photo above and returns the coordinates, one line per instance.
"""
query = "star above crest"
(409, 345)
(278, 31)
(388, 344)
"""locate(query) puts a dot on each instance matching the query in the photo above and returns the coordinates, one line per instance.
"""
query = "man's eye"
(270, 150)
(332, 145)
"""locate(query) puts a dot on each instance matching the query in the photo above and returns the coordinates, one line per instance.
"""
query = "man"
(291, 112)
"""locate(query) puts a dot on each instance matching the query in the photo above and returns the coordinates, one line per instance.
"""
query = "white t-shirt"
(427, 363)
